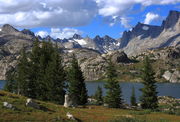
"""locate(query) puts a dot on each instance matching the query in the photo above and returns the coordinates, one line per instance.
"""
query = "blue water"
(164, 89)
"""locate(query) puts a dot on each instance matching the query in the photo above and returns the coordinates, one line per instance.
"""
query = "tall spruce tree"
(34, 67)
(22, 74)
(77, 87)
(98, 96)
(10, 85)
(113, 94)
(41, 75)
(133, 97)
(55, 76)
(45, 58)
(149, 94)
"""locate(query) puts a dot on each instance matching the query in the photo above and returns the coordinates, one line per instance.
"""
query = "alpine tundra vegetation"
(90, 60)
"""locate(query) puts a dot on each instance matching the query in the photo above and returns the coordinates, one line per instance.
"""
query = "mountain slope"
(143, 37)
(51, 112)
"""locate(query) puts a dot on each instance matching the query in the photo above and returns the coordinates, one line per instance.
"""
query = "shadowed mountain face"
(143, 36)
(134, 41)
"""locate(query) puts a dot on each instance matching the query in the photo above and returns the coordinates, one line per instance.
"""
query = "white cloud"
(151, 17)
(47, 13)
(125, 22)
(59, 33)
(64, 33)
(121, 8)
(67, 13)
(42, 33)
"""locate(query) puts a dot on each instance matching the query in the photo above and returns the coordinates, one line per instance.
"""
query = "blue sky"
(63, 18)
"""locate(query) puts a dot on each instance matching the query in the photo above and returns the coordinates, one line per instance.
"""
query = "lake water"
(164, 89)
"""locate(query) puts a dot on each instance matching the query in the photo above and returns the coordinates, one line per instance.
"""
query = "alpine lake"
(163, 89)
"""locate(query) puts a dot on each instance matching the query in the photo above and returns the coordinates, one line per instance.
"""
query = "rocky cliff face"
(11, 42)
(143, 37)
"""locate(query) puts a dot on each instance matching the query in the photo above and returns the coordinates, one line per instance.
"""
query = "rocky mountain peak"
(125, 39)
(106, 37)
(48, 38)
(8, 29)
(28, 32)
(171, 20)
(77, 36)
(97, 37)
(98, 40)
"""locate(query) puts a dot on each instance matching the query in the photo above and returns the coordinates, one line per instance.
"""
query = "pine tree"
(34, 67)
(77, 87)
(55, 76)
(10, 85)
(149, 95)
(113, 94)
(98, 96)
(133, 97)
(44, 59)
(22, 74)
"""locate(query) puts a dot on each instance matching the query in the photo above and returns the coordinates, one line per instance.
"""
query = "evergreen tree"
(55, 76)
(133, 97)
(41, 75)
(113, 94)
(98, 96)
(10, 85)
(22, 74)
(149, 95)
(77, 87)
(34, 67)
(44, 59)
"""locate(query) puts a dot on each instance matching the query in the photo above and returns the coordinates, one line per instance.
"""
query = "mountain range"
(92, 53)
(135, 41)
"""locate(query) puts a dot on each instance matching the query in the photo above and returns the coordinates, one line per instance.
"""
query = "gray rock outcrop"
(31, 103)
(7, 105)
(173, 77)
(67, 101)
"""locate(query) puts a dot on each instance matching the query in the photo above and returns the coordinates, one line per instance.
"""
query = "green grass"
(91, 113)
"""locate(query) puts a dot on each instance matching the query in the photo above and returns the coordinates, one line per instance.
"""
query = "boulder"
(119, 57)
(167, 75)
(7, 105)
(70, 116)
(173, 77)
(67, 101)
(31, 103)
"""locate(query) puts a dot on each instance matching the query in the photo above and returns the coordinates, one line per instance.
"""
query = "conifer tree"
(44, 59)
(10, 85)
(55, 76)
(41, 75)
(77, 87)
(98, 96)
(133, 97)
(149, 94)
(34, 67)
(22, 74)
(113, 94)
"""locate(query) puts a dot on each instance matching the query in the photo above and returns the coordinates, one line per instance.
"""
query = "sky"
(63, 18)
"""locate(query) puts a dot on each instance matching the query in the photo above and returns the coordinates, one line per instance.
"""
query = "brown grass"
(89, 113)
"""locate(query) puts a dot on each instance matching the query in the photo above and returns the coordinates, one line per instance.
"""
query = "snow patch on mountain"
(81, 41)
(70, 51)
(145, 28)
